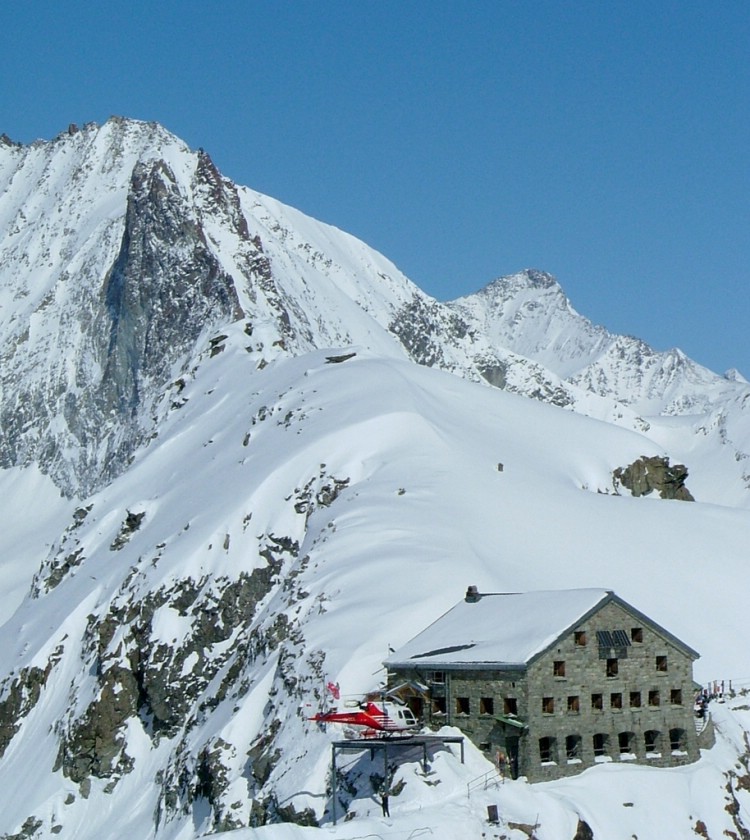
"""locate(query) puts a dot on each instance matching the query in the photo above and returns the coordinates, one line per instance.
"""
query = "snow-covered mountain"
(529, 314)
(229, 483)
(122, 250)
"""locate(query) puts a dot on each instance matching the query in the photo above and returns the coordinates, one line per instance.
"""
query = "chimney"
(472, 595)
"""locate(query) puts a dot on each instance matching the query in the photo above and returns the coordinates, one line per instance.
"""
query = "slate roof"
(507, 630)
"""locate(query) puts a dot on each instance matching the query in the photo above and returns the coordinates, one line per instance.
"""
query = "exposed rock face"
(20, 695)
(655, 473)
(161, 684)
(143, 679)
(164, 286)
(583, 831)
(110, 330)
(422, 326)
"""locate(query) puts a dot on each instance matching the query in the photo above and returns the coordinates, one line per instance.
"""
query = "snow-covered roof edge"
(399, 660)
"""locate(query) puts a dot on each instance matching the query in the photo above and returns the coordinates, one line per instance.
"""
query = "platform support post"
(333, 783)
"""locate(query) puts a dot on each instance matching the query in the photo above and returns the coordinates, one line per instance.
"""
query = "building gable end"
(668, 637)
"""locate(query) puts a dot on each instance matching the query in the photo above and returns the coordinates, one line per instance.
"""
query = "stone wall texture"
(580, 703)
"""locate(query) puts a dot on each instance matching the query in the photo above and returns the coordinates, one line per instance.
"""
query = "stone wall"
(473, 700)
(622, 690)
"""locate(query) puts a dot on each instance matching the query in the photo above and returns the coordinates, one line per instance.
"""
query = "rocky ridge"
(124, 250)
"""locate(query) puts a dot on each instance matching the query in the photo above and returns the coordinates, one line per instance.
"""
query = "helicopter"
(377, 718)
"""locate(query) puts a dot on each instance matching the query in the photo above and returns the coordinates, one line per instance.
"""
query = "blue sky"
(605, 142)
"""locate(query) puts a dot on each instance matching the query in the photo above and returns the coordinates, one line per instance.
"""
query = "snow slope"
(264, 493)
(380, 478)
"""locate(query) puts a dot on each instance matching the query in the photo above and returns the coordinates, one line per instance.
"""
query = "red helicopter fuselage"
(376, 717)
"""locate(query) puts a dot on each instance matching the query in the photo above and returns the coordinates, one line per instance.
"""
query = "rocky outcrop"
(159, 684)
(19, 696)
(422, 326)
(29, 830)
(649, 474)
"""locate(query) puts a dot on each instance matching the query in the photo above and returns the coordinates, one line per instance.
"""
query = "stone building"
(554, 682)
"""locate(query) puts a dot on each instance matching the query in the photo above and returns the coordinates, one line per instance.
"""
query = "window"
(462, 706)
(635, 699)
(675, 696)
(438, 677)
(486, 706)
(485, 746)
(677, 740)
(579, 637)
(574, 704)
(636, 635)
(438, 705)
(653, 698)
(510, 706)
(548, 705)
(615, 700)
(661, 664)
(547, 749)
(558, 668)
(597, 702)
(626, 742)
(612, 667)
(601, 743)
(652, 740)
(572, 747)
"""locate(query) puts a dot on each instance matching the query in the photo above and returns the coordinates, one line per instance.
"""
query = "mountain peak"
(527, 278)
(116, 137)
(537, 279)
(733, 375)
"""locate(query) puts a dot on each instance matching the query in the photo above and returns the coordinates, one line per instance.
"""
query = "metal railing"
(492, 778)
